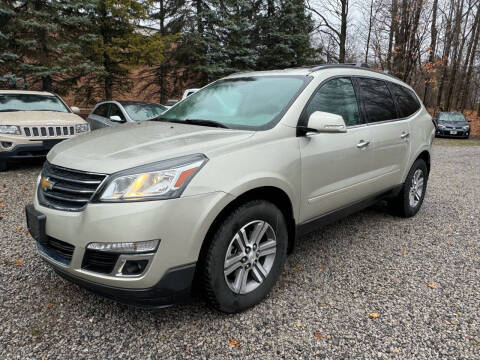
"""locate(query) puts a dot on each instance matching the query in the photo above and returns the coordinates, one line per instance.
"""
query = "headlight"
(80, 128)
(9, 129)
(162, 180)
(440, 126)
(466, 127)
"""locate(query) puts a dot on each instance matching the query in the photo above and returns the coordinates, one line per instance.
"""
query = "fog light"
(126, 247)
(134, 267)
(7, 144)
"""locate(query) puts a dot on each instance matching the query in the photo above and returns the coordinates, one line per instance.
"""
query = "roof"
(127, 102)
(26, 92)
(308, 70)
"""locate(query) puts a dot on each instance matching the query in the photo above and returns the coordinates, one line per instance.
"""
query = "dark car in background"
(112, 113)
(452, 124)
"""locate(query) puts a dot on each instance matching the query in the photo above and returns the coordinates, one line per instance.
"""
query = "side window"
(102, 110)
(336, 96)
(115, 110)
(377, 100)
(407, 102)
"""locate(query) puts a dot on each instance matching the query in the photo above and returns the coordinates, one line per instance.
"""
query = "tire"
(220, 288)
(3, 166)
(403, 205)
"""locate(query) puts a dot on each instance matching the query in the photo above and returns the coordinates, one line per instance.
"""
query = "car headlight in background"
(9, 129)
(80, 128)
(466, 128)
(440, 126)
(163, 180)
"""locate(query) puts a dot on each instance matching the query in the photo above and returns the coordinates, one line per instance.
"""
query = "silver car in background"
(112, 113)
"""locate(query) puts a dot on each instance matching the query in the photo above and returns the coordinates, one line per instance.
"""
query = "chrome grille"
(48, 131)
(69, 190)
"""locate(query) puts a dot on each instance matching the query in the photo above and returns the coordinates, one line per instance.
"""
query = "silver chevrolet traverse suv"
(213, 194)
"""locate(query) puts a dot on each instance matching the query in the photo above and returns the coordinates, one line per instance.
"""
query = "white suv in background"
(213, 194)
(32, 122)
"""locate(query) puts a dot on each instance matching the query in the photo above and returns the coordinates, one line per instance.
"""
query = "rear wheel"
(245, 256)
(410, 198)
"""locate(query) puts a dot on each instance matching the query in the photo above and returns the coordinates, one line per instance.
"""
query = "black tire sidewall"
(219, 294)
(408, 210)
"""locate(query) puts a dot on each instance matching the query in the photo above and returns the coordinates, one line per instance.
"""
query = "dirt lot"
(369, 286)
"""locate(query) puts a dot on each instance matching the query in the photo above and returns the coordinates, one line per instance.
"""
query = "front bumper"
(174, 287)
(37, 149)
(180, 225)
(447, 133)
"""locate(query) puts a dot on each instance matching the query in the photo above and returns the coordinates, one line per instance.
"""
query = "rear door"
(390, 132)
(99, 116)
(336, 167)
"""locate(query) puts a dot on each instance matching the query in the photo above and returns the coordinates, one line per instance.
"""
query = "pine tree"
(285, 35)
(9, 57)
(169, 16)
(120, 45)
(45, 41)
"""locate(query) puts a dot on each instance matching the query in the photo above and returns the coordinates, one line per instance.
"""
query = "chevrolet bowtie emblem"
(46, 184)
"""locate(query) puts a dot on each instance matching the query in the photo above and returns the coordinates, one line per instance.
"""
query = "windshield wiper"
(160, 118)
(200, 122)
(9, 110)
(47, 110)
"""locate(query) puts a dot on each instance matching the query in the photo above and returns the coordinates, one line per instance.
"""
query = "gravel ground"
(421, 276)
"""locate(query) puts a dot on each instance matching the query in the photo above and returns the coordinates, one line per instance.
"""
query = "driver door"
(337, 168)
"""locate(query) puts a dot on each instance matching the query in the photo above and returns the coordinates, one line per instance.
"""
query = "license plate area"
(454, 132)
(36, 222)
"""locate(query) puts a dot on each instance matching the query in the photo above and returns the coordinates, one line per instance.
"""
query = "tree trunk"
(458, 51)
(446, 54)
(393, 27)
(198, 4)
(431, 50)
(461, 81)
(465, 89)
(107, 88)
(370, 24)
(343, 31)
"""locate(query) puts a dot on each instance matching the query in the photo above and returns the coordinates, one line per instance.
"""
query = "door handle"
(405, 135)
(363, 144)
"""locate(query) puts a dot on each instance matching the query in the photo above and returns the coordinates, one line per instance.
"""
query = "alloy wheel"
(250, 257)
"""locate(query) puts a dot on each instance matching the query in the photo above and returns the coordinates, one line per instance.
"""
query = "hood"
(453, 123)
(122, 147)
(43, 118)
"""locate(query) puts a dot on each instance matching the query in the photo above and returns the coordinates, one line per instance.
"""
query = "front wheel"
(245, 257)
(410, 198)
(3, 166)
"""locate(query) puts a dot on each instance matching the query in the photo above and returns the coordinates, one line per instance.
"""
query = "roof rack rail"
(364, 66)
(357, 64)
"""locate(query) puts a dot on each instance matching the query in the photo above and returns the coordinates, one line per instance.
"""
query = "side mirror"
(116, 118)
(75, 110)
(469, 121)
(323, 122)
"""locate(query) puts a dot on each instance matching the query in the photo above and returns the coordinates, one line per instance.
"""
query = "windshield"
(242, 103)
(451, 117)
(31, 102)
(142, 112)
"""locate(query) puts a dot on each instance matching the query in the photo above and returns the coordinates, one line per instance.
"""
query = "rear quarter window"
(407, 102)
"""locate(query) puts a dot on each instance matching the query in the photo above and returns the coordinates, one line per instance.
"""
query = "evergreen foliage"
(45, 41)
(90, 46)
